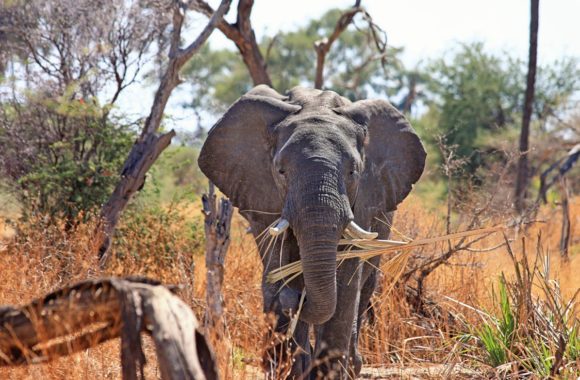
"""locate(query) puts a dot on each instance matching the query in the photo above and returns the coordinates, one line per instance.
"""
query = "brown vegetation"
(45, 258)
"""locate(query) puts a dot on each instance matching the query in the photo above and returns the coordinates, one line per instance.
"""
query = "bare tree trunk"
(566, 226)
(323, 46)
(522, 176)
(409, 100)
(242, 34)
(218, 219)
(84, 315)
(150, 145)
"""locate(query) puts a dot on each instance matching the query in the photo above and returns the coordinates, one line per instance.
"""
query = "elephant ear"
(236, 153)
(394, 156)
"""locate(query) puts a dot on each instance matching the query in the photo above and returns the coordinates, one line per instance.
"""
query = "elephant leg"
(302, 352)
(288, 358)
(285, 350)
(274, 253)
(333, 337)
(280, 300)
(369, 281)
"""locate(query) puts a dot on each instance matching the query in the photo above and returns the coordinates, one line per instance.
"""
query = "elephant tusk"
(358, 232)
(279, 228)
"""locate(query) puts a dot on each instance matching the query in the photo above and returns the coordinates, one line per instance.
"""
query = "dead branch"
(271, 45)
(150, 145)
(217, 234)
(354, 82)
(487, 249)
(218, 219)
(566, 224)
(563, 165)
(323, 46)
(84, 315)
(423, 268)
(242, 34)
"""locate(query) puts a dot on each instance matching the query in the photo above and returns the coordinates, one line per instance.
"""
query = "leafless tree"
(322, 46)
(89, 44)
(523, 170)
(242, 34)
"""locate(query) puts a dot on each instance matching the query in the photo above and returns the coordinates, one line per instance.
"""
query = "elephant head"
(318, 161)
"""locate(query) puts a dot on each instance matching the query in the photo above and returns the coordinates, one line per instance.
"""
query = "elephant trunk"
(319, 270)
(320, 212)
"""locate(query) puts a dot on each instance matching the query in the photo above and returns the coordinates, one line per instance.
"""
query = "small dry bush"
(167, 243)
(44, 256)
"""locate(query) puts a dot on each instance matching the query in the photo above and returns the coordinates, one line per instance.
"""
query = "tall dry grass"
(167, 244)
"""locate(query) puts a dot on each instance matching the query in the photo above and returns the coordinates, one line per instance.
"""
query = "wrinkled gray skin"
(319, 161)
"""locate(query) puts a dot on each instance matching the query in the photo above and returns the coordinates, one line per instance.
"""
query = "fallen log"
(86, 314)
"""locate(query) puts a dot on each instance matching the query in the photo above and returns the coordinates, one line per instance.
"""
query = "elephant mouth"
(352, 229)
(318, 250)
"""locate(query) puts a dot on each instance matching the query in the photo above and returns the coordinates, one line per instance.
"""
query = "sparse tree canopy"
(67, 62)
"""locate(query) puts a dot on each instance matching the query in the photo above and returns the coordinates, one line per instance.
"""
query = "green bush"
(62, 156)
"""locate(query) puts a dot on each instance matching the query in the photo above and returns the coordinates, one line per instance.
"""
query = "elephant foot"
(285, 359)
(330, 365)
(355, 366)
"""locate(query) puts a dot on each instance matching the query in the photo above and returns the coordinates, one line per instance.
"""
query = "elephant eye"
(281, 171)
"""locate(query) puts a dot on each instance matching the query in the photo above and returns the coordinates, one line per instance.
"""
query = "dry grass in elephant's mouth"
(367, 248)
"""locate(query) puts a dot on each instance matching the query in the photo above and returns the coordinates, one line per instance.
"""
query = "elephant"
(318, 164)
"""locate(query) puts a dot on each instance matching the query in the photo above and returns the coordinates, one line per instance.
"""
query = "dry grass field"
(401, 343)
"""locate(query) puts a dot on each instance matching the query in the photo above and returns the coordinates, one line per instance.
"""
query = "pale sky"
(425, 28)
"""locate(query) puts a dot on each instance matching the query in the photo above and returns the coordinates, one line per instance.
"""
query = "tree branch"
(563, 165)
(242, 34)
(244, 13)
(216, 18)
(323, 46)
(229, 30)
(149, 146)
